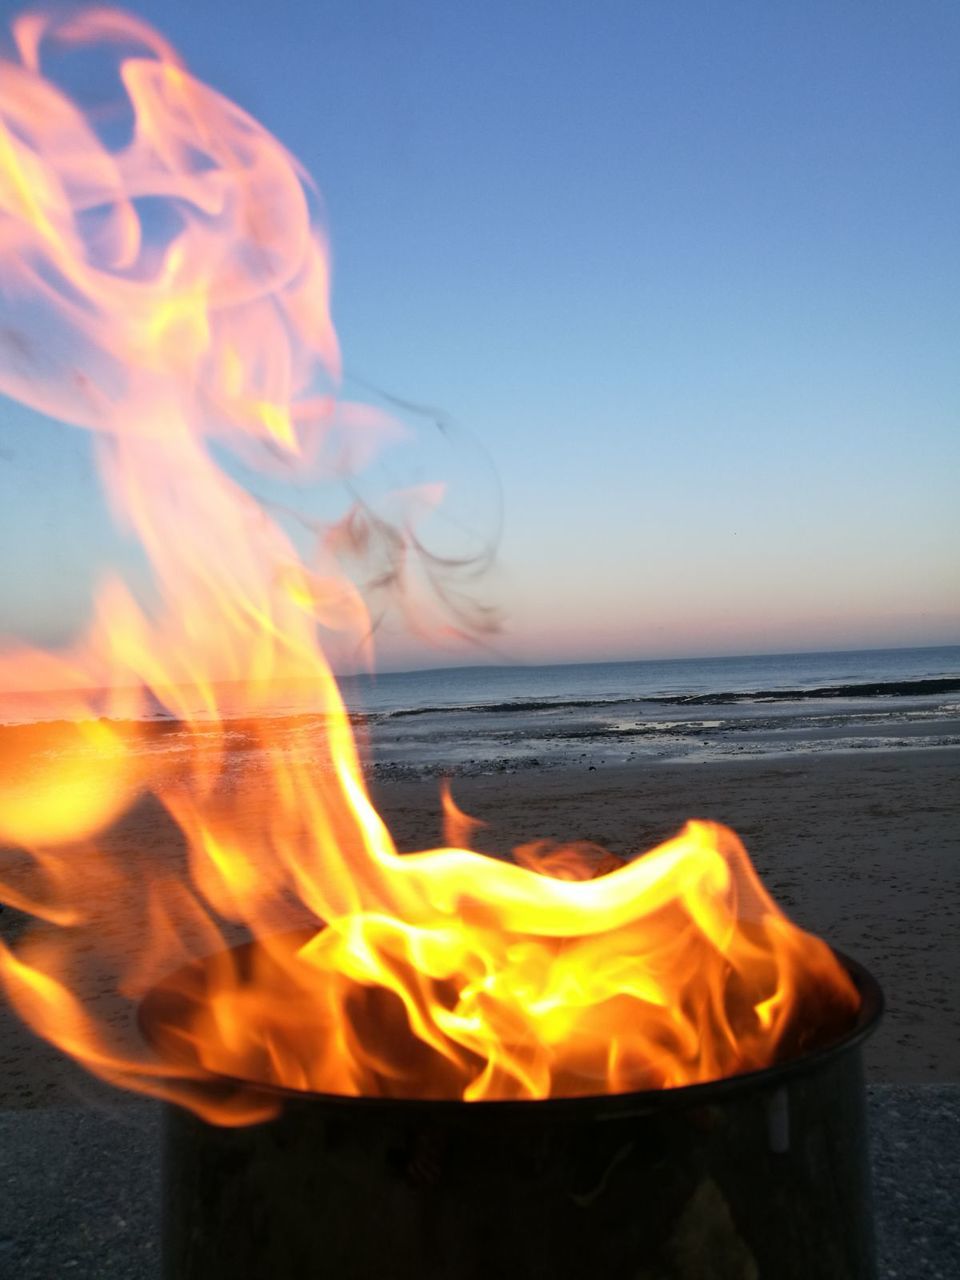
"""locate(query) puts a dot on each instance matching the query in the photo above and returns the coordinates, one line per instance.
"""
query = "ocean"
(544, 686)
(476, 719)
(486, 718)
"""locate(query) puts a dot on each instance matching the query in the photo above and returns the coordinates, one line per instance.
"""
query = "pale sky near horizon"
(686, 277)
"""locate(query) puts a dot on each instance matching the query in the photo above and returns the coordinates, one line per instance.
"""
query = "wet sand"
(863, 849)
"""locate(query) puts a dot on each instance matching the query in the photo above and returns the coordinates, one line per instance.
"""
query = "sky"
(684, 277)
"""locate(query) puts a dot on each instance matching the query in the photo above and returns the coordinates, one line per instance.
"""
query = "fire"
(166, 284)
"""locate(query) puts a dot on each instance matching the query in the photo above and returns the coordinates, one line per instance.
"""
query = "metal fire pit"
(763, 1175)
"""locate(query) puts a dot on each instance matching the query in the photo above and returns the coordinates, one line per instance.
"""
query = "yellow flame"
(444, 973)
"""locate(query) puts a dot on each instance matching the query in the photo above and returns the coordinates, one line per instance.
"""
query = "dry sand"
(863, 848)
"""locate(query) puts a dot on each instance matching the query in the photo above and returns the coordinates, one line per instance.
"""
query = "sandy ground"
(862, 848)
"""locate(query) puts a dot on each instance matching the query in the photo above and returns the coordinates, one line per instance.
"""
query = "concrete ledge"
(80, 1188)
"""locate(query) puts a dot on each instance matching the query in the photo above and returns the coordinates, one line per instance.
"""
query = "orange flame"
(180, 280)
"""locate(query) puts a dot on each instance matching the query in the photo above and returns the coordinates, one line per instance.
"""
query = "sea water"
(483, 718)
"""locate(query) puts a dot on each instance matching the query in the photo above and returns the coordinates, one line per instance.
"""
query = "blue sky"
(688, 274)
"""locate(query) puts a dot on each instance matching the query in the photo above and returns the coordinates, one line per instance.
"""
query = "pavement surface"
(80, 1188)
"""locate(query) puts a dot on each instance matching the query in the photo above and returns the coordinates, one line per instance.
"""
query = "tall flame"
(169, 251)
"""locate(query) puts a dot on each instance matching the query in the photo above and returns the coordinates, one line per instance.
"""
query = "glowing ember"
(168, 256)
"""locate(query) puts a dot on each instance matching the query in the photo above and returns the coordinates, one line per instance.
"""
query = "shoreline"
(593, 757)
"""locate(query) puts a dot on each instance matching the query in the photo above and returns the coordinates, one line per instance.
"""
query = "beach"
(862, 848)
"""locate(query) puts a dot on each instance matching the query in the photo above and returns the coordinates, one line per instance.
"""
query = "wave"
(520, 704)
(874, 689)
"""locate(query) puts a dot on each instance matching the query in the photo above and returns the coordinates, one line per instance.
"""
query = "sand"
(863, 848)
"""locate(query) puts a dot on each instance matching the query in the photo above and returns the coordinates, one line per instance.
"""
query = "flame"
(166, 282)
